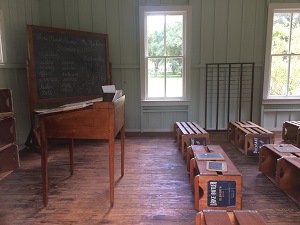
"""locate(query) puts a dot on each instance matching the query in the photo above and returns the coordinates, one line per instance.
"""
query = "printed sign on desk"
(258, 142)
(221, 193)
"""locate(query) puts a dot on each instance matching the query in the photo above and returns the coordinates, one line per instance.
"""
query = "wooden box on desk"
(212, 189)
(111, 97)
(108, 97)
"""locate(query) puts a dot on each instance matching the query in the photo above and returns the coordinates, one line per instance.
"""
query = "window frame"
(143, 12)
(267, 98)
(2, 39)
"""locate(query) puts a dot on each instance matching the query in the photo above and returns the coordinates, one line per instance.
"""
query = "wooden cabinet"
(9, 156)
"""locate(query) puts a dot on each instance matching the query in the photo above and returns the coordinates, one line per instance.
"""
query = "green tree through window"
(165, 55)
(283, 64)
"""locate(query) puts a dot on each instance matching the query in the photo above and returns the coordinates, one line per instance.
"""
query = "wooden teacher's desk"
(100, 120)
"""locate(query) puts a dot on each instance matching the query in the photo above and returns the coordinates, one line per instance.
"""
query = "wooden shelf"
(9, 156)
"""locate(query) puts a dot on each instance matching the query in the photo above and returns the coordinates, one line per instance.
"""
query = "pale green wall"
(223, 31)
(16, 15)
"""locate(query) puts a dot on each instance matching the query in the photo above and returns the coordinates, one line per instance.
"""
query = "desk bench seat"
(248, 137)
(291, 132)
(232, 126)
(221, 217)
(187, 133)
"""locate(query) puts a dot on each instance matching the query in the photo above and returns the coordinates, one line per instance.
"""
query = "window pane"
(279, 74)
(174, 77)
(155, 35)
(281, 33)
(174, 35)
(294, 88)
(295, 39)
(156, 77)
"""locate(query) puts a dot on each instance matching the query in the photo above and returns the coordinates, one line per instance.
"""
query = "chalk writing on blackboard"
(67, 63)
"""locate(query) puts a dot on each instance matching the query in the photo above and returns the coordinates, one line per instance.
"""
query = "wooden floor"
(154, 190)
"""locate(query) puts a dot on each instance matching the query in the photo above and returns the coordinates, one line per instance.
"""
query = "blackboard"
(217, 166)
(209, 156)
(66, 65)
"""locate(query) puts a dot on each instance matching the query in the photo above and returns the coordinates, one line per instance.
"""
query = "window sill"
(281, 101)
(164, 102)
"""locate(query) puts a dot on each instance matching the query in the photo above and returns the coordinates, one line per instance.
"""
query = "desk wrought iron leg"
(111, 169)
(122, 150)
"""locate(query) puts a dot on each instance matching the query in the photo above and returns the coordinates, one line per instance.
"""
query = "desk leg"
(111, 169)
(122, 150)
(44, 161)
(71, 148)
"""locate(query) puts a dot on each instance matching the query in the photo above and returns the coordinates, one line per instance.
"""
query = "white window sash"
(276, 8)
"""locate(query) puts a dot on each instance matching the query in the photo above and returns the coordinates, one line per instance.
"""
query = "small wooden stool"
(232, 126)
(185, 131)
(221, 217)
(249, 137)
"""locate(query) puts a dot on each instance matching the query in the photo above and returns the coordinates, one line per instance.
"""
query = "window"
(165, 52)
(282, 61)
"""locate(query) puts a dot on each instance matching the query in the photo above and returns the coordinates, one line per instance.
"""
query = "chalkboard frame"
(31, 64)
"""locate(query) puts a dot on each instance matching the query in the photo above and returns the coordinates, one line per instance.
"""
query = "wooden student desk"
(218, 217)
(101, 120)
(269, 157)
(212, 189)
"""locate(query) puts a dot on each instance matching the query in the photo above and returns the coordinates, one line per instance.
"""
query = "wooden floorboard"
(154, 190)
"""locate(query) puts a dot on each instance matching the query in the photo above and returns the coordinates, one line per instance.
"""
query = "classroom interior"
(135, 168)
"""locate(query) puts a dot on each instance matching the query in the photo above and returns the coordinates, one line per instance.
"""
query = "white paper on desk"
(117, 95)
(109, 89)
